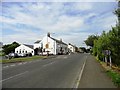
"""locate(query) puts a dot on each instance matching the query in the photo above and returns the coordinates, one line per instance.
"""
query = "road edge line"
(80, 74)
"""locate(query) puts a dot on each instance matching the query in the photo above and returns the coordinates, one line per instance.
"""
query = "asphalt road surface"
(63, 71)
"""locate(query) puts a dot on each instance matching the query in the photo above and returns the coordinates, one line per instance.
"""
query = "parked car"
(12, 55)
(22, 55)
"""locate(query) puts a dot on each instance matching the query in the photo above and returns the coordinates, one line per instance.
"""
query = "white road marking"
(12, 65)
(13, 76)
(48, 64)
(19, 63)
(24, 62)
(80, 74)
(5, 66)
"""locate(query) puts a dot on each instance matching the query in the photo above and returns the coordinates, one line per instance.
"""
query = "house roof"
(58, 41)
(30, 46)
(72, 45)
(38, 41)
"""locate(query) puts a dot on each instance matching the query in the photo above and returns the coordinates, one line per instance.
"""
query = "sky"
(26, 22)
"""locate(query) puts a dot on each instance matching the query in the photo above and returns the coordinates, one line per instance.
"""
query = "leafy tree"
(90, 40)
(10, 47)
(108, 41)
(83, 49)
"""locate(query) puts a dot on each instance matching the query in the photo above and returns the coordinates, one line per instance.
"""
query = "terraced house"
(50, 45)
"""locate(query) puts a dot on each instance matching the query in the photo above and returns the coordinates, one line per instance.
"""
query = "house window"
(17, 51)
(23, 51)
(32, 51)
(26, 51)
(20, 52)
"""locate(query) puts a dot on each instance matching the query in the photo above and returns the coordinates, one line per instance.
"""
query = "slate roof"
(38, 41)
(30, 46)
(72, 45)
(58, 41)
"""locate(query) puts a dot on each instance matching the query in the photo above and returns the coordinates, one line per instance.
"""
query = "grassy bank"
(113, 72)
(114, 76)
(22, 59)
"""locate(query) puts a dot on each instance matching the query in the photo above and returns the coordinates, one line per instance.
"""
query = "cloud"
(58, 1)
(73, 22)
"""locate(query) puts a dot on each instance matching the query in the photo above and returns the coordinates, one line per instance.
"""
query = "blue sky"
(26, 22)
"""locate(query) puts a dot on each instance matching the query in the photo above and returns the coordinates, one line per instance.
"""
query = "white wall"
(51, 44)
(37, 45)
(71, 48)
(24, 48)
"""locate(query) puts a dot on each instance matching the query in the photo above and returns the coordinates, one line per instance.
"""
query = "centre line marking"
(13, 76)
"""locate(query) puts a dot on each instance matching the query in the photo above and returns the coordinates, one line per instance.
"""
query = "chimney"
(60, 40)
(48, 34)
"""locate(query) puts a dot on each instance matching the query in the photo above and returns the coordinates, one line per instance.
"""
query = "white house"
(71, 47)
(38, 47)
(51, 45)
(24, 49)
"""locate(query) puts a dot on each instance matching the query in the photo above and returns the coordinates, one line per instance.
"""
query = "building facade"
(50, 45)
(71, 48)
(24, 49)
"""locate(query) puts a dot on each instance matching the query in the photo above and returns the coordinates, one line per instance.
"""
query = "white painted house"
(51, 45)
(71, 47)
(24, 49)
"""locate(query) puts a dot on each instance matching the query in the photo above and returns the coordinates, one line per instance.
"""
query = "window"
(32, 51)
(20, 52)
(17, 51)
(26, 51)
(23, 51)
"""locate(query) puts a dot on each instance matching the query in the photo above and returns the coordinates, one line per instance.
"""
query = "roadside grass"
(115, 77)
(113, 72)
(22, 59)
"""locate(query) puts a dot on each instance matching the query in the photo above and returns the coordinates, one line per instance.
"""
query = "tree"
(83, 49)
(90, 40)
(10, 47)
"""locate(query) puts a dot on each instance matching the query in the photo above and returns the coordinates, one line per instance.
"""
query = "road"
(60, 72)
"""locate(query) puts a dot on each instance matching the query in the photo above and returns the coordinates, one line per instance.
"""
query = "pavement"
(62, 71)
(94, 75)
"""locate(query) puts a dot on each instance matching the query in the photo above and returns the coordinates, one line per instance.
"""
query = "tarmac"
(94, 75)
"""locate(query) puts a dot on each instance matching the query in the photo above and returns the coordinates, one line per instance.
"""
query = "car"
(12, 55)
(22, 55)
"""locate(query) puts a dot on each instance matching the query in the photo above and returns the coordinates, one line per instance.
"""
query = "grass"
(113, 72)
(22, 59)
(115, 77)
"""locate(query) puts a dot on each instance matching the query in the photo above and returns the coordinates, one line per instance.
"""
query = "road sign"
(107, 52)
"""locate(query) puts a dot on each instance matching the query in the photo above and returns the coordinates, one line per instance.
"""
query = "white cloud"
(75, 38)
(83, 6)
(52, 17)
(59, 0)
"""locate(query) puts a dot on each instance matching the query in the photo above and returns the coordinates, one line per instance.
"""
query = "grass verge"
(113, 72)
(115, 77)
(22, 59)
